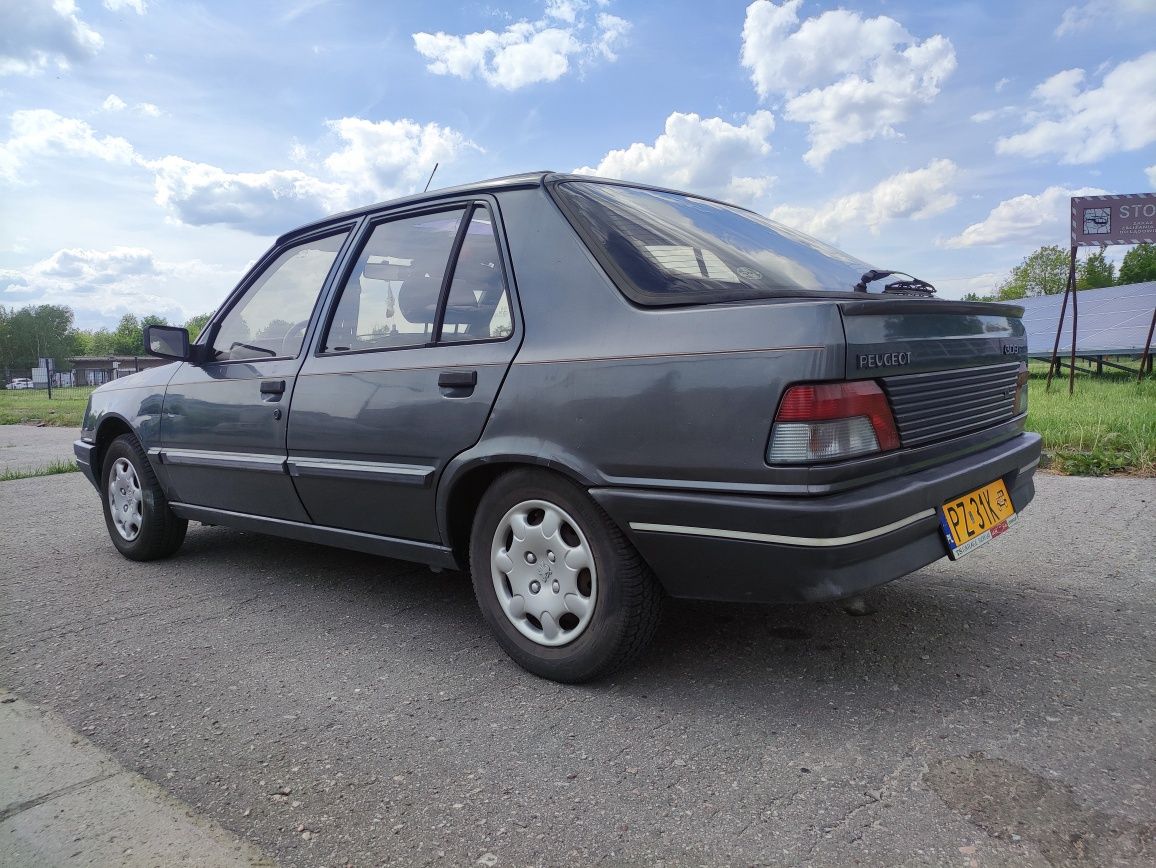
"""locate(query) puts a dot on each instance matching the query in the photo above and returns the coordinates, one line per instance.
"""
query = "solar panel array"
(1113, 320)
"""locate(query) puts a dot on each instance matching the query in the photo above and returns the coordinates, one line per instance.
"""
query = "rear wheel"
(136, 511)
(565, 593)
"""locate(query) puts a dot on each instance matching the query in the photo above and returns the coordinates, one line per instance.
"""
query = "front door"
(405, 372)
(222, 442)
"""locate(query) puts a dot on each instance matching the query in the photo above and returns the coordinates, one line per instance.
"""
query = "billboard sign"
(1128, 218)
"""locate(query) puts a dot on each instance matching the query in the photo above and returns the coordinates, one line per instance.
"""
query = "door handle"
(458, 379)
(272, 390)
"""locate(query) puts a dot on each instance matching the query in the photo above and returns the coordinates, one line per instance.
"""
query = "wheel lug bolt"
(557, 587)
(553, 557)
(530, 558)
(535, 587)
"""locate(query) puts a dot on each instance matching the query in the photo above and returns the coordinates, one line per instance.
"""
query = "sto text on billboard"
(1128, 218)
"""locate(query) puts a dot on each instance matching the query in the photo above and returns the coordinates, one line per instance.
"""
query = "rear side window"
(668, 248)
(394, 293)
(391, 297)
(478, 307)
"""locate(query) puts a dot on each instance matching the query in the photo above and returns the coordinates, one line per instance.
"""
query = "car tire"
(570, 599)
(136, 511)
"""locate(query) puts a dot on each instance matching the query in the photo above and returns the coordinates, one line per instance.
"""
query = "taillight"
(1021, 404)
(829, 421)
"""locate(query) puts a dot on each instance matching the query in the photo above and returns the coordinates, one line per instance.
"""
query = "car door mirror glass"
(168, 342)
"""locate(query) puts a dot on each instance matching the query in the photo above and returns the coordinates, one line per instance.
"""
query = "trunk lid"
(947, 367)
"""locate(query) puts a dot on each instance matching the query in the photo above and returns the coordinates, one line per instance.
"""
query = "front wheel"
(564, 592)
(136, 511)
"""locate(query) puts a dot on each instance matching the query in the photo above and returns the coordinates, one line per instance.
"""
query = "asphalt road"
(27, 447)
(335, 707)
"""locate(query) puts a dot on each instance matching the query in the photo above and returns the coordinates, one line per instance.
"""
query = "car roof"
(506, 182)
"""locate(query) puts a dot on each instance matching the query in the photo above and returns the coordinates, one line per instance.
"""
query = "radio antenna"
(431, 174)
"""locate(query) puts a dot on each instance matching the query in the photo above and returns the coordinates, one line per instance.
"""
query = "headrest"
(418, 298)
(476, 291)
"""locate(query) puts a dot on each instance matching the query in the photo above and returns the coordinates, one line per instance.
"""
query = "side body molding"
(405, 474)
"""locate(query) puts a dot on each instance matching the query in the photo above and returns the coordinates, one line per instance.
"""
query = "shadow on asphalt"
(933, 639)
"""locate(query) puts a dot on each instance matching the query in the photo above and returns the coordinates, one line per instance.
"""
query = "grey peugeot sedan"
(589, 395)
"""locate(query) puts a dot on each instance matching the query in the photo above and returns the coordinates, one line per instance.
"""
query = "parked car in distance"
(590, 395)
(20, 383)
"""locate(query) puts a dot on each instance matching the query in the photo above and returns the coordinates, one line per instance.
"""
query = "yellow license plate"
(975, 518)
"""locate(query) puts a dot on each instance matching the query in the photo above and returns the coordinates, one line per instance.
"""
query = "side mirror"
(168, 342)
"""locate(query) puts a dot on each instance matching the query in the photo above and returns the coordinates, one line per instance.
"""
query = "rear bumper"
(84, 453)
(791, 549)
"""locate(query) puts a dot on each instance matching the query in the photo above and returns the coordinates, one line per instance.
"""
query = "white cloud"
(109, 283)
(1043, 218)
(1001, 84)
(1151, 171)
(1075, 18)
(41, 132)
(958, 287)
(991, 114)
(375, 160)
(114, 103)
(1084, 124)
(850, 79)
(700, 155)
(912, 195)
(526, 52)
(137, 6)
(96, 267)
(1079, 17)
(383, 159)
(611, 32)
(1061, 88)
(35, 34)
(266, 202)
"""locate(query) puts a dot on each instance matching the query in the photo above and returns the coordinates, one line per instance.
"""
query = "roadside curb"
(64, 800)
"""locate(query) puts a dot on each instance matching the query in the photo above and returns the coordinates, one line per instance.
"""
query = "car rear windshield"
(668, 248)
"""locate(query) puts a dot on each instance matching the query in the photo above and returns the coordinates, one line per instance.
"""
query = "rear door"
(419, 338)
(222, 441)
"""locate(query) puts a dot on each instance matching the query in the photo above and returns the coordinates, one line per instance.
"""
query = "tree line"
(1045, 272)
(49, 330)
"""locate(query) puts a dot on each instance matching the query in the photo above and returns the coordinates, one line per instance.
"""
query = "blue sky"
(150, 149)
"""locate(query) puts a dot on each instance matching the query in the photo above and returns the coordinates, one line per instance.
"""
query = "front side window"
(391, 297)
(271, 318)
(670, 248)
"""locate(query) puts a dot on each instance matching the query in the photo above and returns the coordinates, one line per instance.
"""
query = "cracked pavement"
(332, 707)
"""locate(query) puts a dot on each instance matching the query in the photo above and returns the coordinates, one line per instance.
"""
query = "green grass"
(1108, 426)
(65, 410)
(50, 469)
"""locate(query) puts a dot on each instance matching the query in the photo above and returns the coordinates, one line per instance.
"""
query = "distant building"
(97, 370)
